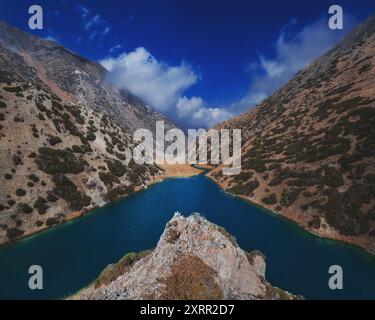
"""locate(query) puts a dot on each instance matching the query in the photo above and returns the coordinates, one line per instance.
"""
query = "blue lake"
(72, 255)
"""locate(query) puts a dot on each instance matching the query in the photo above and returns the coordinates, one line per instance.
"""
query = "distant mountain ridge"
(309, 149)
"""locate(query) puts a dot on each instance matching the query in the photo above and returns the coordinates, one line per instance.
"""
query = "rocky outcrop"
(308, 150)
(194, 259)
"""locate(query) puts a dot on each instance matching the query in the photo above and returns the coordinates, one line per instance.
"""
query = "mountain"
(308, 150)
(193, 260)
(63, 133)
(70, 76)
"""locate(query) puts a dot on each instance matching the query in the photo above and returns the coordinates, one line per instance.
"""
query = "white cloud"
(83, 11)
(293, 51)
(195, 112)
(162, 86)
(93, 21)
(115, 48)
(106, 30)
(158, 84)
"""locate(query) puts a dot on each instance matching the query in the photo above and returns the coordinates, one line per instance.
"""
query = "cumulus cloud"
(162, 86)
(195, 112)
(158, 84)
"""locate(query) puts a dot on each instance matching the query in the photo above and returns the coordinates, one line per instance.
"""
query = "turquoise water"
(72, 255)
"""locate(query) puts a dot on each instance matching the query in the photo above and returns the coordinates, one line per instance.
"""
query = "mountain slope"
(71, 77)
(194, 259)
(309, 149)
(63, 136)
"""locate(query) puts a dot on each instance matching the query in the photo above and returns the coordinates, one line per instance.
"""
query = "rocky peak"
(194, 259)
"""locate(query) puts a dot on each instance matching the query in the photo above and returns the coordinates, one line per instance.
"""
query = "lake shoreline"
(75, 215)
(296, 221)
(202, 171)
(134, 223)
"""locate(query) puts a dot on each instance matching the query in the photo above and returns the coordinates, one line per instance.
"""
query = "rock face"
(194, 259)
(309, 149)
(64, 133)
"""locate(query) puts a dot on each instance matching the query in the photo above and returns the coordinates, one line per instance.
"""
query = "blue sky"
(197, 61)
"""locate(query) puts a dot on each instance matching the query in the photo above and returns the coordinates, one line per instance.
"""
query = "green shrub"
(108, 178)
(54, 161)
(20, 192)
(52, 140)
(67, 190)
(51, 222)
(41, 205)
(290, 195)
(33, 177)
(13, 89)
(118, 192)
(52, 198)
(39, 223)
(315, 222)
(13, 233)
(271, 199)
(113, 271)
(116, 167)
(25, 208)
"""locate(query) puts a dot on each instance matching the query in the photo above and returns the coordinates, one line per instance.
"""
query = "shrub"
(52, 140)
(41, 205)
(118, 192)
(16, 160)
(13, 233)
(13, 89)
(20, 192)
(52, 198)
(54, 161)
(33, 178)
(271, 199)
(108, 178)
(25, 208)
(67, 190)
(51, 222)
(315, 222)
(8, 176)
(116, 167)
(290, 195)
(91, 136)
(39, 223)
